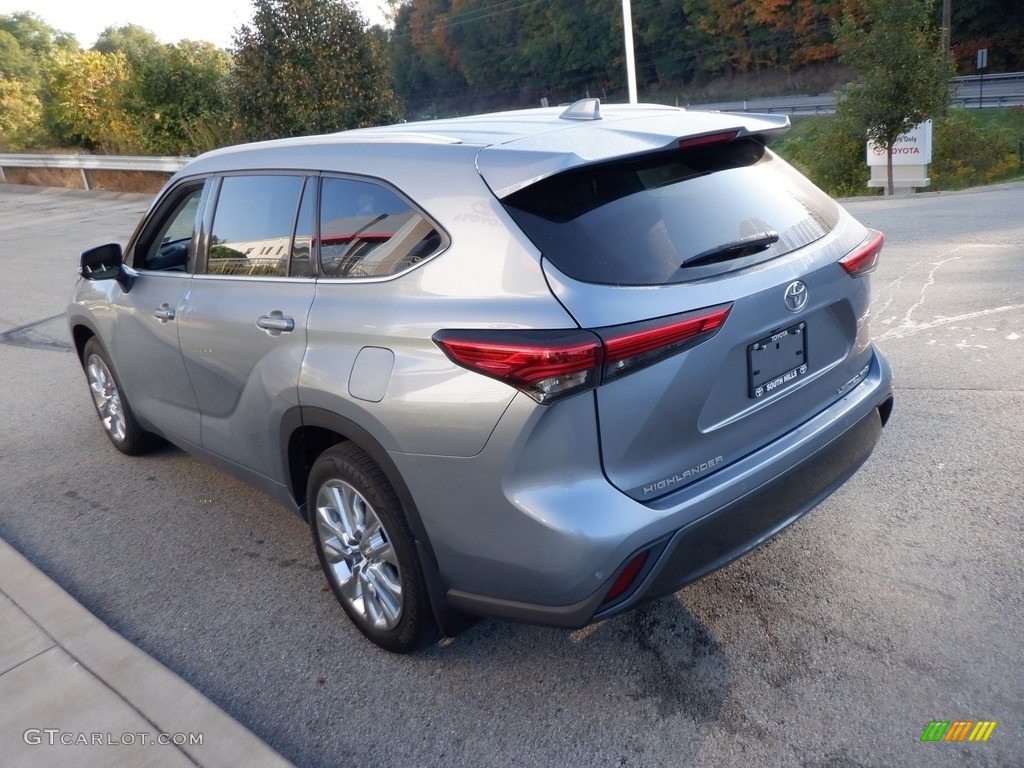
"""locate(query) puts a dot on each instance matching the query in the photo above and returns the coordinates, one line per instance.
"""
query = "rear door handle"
(164, 312)
(275, 323)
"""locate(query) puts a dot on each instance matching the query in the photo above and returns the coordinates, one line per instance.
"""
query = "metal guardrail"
(1005, 89)
(998, 77)
(86, 163)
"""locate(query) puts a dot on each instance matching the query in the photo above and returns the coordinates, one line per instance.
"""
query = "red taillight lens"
(641, 344)
(543, 364)
(864, 259)
(548, 364)
(626, 578)
(708, 138)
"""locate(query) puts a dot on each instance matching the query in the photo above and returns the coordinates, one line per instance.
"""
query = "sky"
(169, 20)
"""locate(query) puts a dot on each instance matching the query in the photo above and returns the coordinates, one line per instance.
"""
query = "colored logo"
(958, 730)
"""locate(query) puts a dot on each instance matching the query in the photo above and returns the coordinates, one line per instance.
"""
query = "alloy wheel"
(359, 554)
(106, 398)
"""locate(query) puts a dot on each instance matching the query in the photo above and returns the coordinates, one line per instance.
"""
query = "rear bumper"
(718, 539)
(743, 509)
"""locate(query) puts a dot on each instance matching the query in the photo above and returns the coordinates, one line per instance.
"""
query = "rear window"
(673, 217)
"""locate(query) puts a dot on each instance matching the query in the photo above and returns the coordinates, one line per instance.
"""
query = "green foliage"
(20, 113)
(309, 66)
(969, 147)
(26, 45)
(421, 59)
(84, 103)
(186, 89)
(968, 150)
(562, 48)
(902, 78)
(137, 43)
(178, 94)
(830, 150)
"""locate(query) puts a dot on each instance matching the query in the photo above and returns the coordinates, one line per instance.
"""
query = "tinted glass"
(170, 247)
(673, 217)
(366, 230)
(252, 225)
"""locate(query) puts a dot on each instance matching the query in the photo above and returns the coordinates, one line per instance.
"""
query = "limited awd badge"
(796, 296)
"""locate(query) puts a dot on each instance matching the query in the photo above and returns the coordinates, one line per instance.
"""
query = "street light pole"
(627, 26)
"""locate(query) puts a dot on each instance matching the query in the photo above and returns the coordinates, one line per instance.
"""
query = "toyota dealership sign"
(911, 148)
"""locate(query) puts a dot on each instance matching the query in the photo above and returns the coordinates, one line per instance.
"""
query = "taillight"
(549, 364)
(863, 259)
(543, 364)
(629, 347)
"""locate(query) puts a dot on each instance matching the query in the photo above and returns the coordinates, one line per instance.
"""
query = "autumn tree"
(309, 66)
(902, 79)
(84, 97)
(422, 64)
(20, 113)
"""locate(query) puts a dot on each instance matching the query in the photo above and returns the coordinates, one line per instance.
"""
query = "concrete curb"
(146, 687)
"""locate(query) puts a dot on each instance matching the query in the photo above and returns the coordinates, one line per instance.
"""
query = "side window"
(169, 247)
(366, 230)
(252, 225)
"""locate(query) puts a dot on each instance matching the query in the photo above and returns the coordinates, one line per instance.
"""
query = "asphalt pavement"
(897, 602)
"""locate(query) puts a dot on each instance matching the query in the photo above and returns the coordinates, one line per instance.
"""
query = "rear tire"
(115, 414)
(367, 551)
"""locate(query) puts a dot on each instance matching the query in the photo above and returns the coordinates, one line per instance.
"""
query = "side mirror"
(102, 262)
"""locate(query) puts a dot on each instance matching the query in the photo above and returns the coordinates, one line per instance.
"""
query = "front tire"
(115, 413)
(367, 551)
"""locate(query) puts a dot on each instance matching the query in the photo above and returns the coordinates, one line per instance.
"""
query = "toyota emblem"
(796, 296)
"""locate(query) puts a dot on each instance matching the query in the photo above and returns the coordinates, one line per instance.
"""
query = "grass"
(970, 147)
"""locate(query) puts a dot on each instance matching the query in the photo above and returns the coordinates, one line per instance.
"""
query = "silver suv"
(543, 365)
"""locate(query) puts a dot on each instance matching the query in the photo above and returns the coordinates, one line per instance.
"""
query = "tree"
(309, 66)
(185, 90)
(84, 102)
(19, 115)
(902, 79)
(178, 93)
(138, 44)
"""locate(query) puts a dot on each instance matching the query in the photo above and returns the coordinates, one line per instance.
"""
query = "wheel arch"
(306, 433)
(80, 335)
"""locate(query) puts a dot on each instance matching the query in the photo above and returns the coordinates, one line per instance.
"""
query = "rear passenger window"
(366, 230)
(253, 225)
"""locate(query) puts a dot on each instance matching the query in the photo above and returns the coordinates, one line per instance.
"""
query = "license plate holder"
(777, 361)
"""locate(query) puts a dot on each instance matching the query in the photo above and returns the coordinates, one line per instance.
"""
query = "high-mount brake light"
(864, 258)
(708, 138)
(550, 364)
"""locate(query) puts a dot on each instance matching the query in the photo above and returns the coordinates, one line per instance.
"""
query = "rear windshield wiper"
(746, 246)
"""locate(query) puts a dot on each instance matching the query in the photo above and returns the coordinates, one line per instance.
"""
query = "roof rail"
(584, 109)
